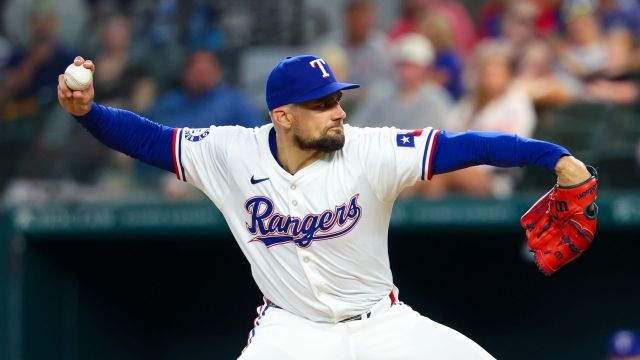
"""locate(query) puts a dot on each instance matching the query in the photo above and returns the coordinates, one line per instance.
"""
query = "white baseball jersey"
(316, 240)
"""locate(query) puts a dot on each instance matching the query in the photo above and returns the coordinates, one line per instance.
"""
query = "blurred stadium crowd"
(567, 71)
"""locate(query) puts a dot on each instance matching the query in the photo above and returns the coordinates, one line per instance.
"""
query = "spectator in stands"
(72, 13)
(204, 99)
(455, 14)
(492, 14)
(583, 53)
(519, 27)
(121, 81)
(624, 345)
(365, 47)
(494, 103)
(540, 79)
(411, 12)
(159, 30)
(489, 21)
(447, 67)
(548, 21)
(620, 14)
(460, 23)
(5, 53)
(517, 33)
(619, 81)
(413, 101)
(31, 76)
(27, 93)
(201, 28)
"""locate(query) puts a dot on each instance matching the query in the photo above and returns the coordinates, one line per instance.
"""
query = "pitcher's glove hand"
(562, 223)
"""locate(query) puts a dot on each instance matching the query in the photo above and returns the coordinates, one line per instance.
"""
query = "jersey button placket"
(308, 265)
(292, 194)
(304, 255)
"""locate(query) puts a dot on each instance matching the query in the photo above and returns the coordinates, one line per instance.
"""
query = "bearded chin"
(327, 143)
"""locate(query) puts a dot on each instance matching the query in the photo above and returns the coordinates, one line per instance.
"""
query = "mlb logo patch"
(407, 139)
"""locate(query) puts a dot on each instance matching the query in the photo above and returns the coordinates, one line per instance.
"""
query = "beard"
(327, 143)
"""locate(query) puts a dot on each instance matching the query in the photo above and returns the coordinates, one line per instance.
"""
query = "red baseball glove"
(561, 225)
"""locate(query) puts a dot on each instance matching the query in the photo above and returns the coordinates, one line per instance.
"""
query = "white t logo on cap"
(320, 63)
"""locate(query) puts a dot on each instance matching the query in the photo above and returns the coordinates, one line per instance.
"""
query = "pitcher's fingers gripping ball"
(75, 87)
(562, 224)
(78, 77)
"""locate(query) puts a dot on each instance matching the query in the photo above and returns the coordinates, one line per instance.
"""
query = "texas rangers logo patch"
(272, 228)
(195, 135)
(407, 139)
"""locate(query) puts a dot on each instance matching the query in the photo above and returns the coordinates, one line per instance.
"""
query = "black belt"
(357, 317)
(352, 318)
(366, 315)
(271, 304)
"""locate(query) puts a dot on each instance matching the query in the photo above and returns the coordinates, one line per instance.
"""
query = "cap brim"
(323, 91)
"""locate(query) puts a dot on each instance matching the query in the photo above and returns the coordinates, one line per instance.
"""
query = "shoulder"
(357, 135)
(379, 144)
(358, 140)
(230, 134)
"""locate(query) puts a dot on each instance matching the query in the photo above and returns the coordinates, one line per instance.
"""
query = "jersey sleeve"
(455, 151)
(395, 159)
(200, 157)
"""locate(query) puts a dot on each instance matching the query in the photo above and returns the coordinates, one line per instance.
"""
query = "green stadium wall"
(167, 281)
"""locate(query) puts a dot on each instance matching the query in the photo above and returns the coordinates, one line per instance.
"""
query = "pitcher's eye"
(329, 103)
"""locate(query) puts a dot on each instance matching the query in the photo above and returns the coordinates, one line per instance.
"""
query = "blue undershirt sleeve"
(457, 150)
(131, 134)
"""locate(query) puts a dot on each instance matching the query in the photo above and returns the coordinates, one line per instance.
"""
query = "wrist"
(84, 112)
(571, 171)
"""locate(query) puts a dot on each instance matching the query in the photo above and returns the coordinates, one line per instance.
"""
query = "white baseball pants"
(391, 333)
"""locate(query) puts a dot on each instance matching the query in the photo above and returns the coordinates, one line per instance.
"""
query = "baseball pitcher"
(309, 198)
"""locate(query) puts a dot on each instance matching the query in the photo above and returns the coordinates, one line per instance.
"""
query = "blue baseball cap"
(301, 78)
(624, 343)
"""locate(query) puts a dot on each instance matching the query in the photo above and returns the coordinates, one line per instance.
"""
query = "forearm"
(131, 134)
(460, 150)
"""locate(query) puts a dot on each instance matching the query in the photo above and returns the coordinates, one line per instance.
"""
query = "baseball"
(77, 77)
